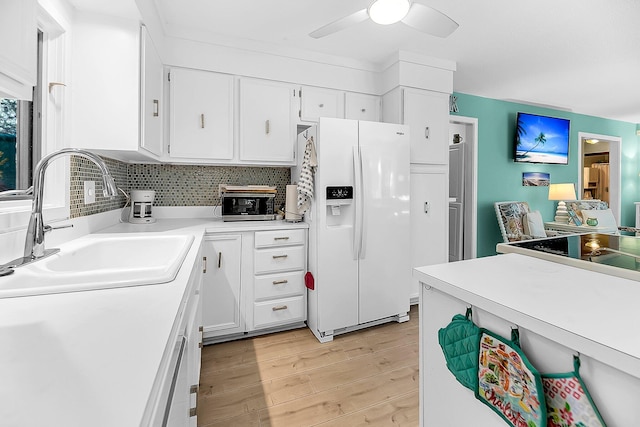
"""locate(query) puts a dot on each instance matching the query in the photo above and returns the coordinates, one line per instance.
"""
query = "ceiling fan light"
(387, 12)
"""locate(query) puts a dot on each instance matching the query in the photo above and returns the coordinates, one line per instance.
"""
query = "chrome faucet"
(34, 243)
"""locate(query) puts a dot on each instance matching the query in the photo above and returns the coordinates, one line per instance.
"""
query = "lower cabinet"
(253, 283)
(221, 291)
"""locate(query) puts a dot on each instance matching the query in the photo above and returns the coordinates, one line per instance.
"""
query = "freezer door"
(385, 260)
(337, 270)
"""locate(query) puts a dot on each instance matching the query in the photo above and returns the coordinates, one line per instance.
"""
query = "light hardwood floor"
(288, 379)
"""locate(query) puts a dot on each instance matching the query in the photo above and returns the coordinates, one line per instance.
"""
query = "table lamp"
(562, 192)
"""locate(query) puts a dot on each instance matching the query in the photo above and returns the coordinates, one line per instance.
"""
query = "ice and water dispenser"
(339, 205)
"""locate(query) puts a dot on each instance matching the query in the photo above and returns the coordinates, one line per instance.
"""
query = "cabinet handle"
(156, 108)
(364, 110)
(266, 127)
(204, 264)
(201, 121)
(426, 132)
(219, 259)
(193, 389)
(426, 207)
(280, 282)
(321, 105)
(279, 307)
(281, 238)
(280, 256)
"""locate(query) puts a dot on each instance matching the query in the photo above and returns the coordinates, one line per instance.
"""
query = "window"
(20, 136)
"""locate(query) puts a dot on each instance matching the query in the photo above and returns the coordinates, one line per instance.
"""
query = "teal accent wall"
(500, 178)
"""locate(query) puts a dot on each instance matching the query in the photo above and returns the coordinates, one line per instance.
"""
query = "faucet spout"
(34, 243)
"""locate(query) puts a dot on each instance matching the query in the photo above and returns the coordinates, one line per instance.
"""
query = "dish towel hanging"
(307, 171)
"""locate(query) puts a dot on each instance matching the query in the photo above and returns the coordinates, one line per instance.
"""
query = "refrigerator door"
(385, 260)
(337, 270)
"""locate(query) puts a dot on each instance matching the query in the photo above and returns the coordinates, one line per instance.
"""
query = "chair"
(517, 222)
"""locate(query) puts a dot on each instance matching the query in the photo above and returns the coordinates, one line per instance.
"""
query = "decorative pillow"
(604, 216)
(578, 206)
(533, 225)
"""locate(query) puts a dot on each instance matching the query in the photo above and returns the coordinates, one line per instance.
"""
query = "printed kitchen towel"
(307, 170)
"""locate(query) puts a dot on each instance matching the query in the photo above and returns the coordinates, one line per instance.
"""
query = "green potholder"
(459, 341)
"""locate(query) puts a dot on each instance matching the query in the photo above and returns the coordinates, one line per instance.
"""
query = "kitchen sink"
(101, 261)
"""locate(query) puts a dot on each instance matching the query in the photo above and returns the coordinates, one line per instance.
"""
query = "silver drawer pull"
(280, 282)
(279, 307)
(281, 238)
(280, 256)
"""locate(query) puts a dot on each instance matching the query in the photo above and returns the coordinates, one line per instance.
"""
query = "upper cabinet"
(107, 59)
(426, 113)
(18, 49)
(267, 122)
(318, 102)
(201, 115)
(151, 81)
(360, 106)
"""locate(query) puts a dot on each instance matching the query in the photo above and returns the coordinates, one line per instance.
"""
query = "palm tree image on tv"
(541, 139)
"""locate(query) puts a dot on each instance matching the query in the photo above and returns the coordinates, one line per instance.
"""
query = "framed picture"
(535, 179)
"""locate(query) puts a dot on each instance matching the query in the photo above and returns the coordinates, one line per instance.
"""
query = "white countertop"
(590, 312)
(91, 358)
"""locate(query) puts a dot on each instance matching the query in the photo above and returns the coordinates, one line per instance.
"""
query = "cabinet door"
(427, 113)
(221, 285)
(267, 128)
(18, 48)
(201, 110)
(360, 106)
(151, 76)
(317, 102)
(429, 220)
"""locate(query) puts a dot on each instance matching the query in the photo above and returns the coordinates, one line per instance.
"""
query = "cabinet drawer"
(279, 259)
(265, 239)
(279, 285)
(282, 311)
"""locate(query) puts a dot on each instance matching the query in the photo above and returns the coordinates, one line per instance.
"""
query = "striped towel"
(307, 170)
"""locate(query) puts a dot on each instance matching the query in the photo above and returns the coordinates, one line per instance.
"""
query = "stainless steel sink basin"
(101, 261)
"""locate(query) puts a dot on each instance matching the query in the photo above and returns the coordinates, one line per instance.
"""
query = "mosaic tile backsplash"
(175, 185)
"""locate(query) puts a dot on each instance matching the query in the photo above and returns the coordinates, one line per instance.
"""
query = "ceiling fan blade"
(428, 20)
(340, 24)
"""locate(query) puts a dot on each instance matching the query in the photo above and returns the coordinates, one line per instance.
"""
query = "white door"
(221, 285)
(427, 113)
(201, 115)
(151, 101)
(429, 219)
(384, 266)
(318, 102)
(337, 267)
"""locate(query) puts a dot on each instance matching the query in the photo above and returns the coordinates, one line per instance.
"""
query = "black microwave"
(248, 206)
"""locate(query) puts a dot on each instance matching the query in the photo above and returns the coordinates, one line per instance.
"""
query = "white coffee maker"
(141, 204)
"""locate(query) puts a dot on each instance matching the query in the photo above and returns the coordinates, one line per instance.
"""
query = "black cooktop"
(616, 251)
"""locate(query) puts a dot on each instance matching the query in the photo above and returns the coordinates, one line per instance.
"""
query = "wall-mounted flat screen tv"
(541, 139)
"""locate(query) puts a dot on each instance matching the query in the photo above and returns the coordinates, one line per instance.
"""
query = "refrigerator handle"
(363, 210)
(357, 228)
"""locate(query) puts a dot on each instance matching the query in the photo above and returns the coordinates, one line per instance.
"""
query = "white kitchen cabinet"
(361, 106)
(279, 268)
(105, 94)
(427, 113)
(151, 100)
(319, 102)
(18, 49)
(201, 111)
(221, 288)
(429, 219)
(267, 122)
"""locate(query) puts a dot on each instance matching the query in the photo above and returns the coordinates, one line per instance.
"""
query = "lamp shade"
(562, 192)
(387, 12)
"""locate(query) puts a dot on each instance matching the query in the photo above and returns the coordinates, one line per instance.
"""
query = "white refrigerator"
(359, 242)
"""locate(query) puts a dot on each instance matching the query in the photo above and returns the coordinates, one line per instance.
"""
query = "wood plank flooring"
(288, 379)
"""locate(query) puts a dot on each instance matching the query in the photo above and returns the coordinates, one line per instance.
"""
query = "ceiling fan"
(422, 18)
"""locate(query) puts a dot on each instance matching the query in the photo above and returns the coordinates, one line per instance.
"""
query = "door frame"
(615, 173)
(470, 216)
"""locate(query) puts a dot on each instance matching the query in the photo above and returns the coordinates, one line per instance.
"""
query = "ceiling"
(577, 55)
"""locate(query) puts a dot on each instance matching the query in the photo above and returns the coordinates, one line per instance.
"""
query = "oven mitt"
(459, 342)
(568, 401)
(508, 383)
